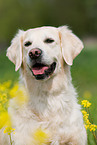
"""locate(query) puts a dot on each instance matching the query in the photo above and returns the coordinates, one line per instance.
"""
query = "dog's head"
(42, 49)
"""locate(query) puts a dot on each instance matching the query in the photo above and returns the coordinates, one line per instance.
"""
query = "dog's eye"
(49, 40)
(28, 43)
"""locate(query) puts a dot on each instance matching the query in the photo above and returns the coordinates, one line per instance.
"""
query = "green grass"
(84, 71)
(84, 74)
(7, 69)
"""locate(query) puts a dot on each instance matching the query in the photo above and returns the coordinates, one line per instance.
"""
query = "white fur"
(52, 103)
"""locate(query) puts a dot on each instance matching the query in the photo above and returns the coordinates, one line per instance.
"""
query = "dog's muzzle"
(40, 70)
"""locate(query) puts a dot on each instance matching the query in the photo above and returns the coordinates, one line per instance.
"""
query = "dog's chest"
(27, 126)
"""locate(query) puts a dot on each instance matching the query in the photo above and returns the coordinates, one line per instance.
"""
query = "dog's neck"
(45, 94)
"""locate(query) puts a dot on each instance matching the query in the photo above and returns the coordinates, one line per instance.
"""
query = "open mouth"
(42, 71)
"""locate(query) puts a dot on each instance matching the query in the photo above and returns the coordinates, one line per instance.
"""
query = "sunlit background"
(79, 15)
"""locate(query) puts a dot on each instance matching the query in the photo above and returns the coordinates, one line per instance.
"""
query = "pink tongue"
(39, 70)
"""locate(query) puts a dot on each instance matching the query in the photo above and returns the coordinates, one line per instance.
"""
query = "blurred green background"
(79, 15)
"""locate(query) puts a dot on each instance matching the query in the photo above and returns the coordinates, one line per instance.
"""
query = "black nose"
(35, 53)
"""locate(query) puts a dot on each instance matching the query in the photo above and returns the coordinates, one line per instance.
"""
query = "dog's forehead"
(41, 32)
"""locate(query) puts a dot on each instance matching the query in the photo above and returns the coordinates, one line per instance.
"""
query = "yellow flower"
(1, 108)
(40, 137)
(93, 127)
(9, 130)
(2, 88)
(3, 98)
(85, 114)
(86, 126)
(19, 94)
(13, 91)
(7, 84)
(4, 119)
(86, 120)
(86, 103)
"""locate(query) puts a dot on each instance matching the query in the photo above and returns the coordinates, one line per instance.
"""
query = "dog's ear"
(71, 45)
(14, 52)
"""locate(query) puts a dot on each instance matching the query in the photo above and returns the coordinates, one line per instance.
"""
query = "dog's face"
(42, 50)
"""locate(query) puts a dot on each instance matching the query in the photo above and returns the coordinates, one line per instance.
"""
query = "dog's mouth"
(42, 71)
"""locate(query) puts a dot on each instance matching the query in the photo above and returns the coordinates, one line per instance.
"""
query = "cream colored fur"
(52, 103)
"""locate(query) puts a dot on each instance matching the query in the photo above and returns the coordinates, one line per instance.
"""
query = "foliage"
(24, 14)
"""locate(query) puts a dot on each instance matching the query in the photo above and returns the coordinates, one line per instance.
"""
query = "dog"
(44, 56)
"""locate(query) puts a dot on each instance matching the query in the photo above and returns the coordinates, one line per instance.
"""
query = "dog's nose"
(35, 53)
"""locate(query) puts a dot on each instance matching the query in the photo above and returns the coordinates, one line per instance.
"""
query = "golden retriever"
(44, 56)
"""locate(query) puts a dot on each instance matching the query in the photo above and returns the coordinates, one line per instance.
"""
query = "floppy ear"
(14, 52)
(71, 45)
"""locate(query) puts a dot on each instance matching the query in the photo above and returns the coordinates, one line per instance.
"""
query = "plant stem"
(95, 139)
(10, 139)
